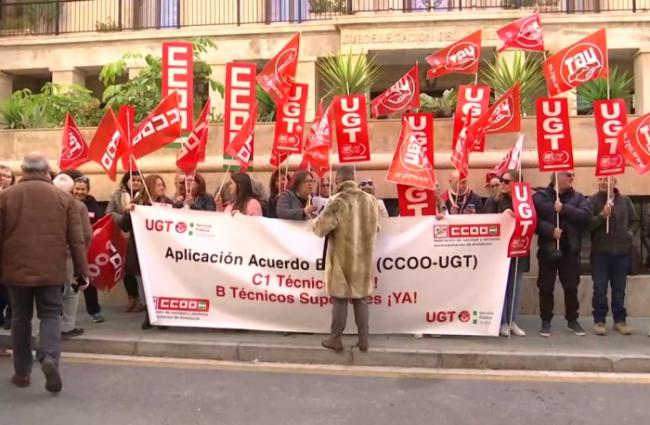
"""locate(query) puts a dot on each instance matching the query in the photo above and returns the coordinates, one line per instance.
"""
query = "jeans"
(49, 301)
(131, 286)
(568, 269)
(512, 292)
(609, 269)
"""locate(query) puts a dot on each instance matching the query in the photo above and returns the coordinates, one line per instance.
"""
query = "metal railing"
(39, 17)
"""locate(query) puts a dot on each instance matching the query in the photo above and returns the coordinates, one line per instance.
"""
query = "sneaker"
(575, 327)
(600, 329)
(504, 330)
(97, 318)
(622, 328)
(72, 333)
(516, 330)
(418, 336)
(53, 383)
(545, 331)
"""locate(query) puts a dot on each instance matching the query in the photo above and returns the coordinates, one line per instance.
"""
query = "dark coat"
(38, 222)
(574, 217)
(470, 198)
(290, 206)
(95, 211)
(203, 202)
(623, 222)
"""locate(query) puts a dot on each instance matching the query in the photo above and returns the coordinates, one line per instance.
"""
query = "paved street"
(106, 393)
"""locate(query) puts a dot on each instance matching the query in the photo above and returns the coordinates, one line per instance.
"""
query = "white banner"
(205, 269)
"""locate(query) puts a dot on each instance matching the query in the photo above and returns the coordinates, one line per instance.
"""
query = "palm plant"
(24, 110)
(440, 107)
(348, 73)
(502, 74)
(619, 87)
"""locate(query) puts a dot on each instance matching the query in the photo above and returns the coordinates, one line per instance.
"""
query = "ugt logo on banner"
(554, 146)
(351, 128)
(415, 201)
(610, 117)
(473, 101)
(526, 220)
(290, 122)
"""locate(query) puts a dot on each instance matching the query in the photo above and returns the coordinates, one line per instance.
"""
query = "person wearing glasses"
(193, 194)
(494, 191)
(560, 258)
(295, 203)
(368, 186)
(612, 229)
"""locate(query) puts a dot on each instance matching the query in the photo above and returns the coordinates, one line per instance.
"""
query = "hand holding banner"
(74, 150)
(400, 97)
(554, 145)
(351, 124)
(634, 143)
(610, 117)
(279, 74)
(462, 57)
(526, 220)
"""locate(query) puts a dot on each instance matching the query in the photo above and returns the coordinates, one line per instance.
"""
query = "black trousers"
(568, 269)
(92, 302)
(131, 286)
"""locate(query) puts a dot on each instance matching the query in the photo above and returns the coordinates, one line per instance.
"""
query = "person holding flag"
(193, 194)
(459, 198)
(295, 203)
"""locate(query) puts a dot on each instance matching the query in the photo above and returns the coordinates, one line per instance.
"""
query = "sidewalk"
(121, 335)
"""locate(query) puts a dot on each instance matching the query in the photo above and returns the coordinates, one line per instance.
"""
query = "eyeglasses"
(366, 183)
(570, 175)
(506, 181)
(6, 176)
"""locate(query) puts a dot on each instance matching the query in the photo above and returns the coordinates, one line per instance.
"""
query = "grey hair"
(64, 182)
(345, 173)
(35, 163)
(259, 190)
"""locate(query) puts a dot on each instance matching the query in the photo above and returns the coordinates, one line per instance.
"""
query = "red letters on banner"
(554, 146)
(634, 143)
(193, 148)
(504, 116)
(351, 128)
(107, 254)
(241, 147)
(401, 96)
(239, 100)
(583, 61)
(412, 163)
(108, 144)
(178, 76)
(462, 57)
(610, 117)
(523, 34)
(526, 220)
(160, 128)
(414, 201)
(279, 74)
(473, 101)
(290, 120)
(74, 150)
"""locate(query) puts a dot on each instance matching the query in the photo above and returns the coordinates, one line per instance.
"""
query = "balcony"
(46, 17)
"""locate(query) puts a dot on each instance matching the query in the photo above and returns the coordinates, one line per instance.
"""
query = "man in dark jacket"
(610, 253)
(459, 198)
(559, 247)
(38, 223)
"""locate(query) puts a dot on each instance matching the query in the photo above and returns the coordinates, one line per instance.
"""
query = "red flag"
(401, 96)
(126, 118)
(411, 165)
(462, 57)
(160, 128)
(239, 101)
(512, 160)
(290, 120)
(523, 34)
(504, 116)
(414, 201)
(460, 154)
(178, 76)
(634, 143)
(107, 254)
(351, 123)
(526, 220)
(319, 142)
(473, 101)
(193, 149)
(278, 75)
(610, 117)
(583, 61)
(108, 144)
(554, 145)
(74, 150)
(241, 147)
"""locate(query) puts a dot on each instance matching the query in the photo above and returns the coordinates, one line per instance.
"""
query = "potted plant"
(620, 87)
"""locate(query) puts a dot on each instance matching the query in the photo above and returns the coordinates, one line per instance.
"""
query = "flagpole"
(146, 189)
(514, 278)
(223, 180)
(609, 178)
(557, 214)
(128, 138)
(286, 175)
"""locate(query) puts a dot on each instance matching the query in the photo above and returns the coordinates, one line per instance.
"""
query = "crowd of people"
(44, 208)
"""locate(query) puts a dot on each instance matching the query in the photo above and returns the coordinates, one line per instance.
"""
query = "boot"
(333, 343)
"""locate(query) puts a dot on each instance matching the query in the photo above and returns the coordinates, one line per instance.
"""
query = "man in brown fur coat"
(350, 221)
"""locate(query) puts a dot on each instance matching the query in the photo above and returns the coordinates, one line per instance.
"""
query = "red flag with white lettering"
(554, 144)
(107, 254)
(400, 97)
(193, 148)
(290, 120)
(126, 118)
(472, 102)
(504, 116)
(412, 163)
(525, 220)
(108, 144)
(178, 76)
(460, 154)
(415, 201)
(160, 128)
(74, 150)
(583, 61)
(634, 143)
(279, 74)
(512, 160)
(241, 147)
(610, 117)
(351, 123)
(239, 102)
(523, 34)
(319, 142)
(462, 57)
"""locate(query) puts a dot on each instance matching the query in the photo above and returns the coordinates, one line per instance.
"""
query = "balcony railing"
(38, 17)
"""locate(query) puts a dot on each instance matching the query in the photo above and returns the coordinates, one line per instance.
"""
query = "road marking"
(362, 371)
